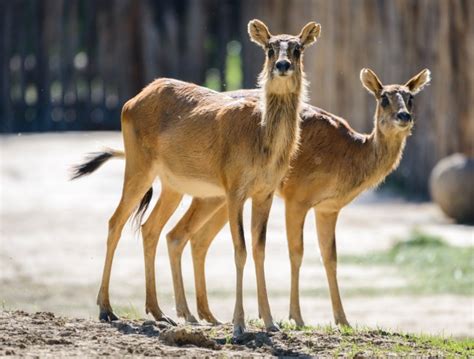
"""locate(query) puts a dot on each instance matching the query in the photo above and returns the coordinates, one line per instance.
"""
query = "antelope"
(216, 148)
(333, 166)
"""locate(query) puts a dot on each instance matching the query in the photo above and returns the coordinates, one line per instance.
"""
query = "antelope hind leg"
(198, 213)
(151, 230)
(200, 243)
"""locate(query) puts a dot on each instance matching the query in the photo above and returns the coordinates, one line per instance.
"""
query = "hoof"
(159, 316)
(107, 316)
(273, 328)
(342, 321)
(166, 319)
(299, 323)
(191, 319)
(215, 321)
(238, 330)
(208, 317)
(343, 324)
(298, 320)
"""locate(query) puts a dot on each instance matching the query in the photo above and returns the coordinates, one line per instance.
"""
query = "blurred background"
(69, 65)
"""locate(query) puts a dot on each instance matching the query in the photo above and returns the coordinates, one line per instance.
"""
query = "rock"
(183, 337)
(253, 340)
(452, 187)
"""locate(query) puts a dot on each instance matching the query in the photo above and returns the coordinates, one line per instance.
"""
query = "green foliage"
(418, 239)
(213, 79)
(257, 323)
(128, 312)
(361, 340)
(233, 71)
(352, 342)
(430, 264)
(287, 326)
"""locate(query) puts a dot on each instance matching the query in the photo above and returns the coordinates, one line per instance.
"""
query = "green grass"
(256, 323)
(380, 342)
(430, 265)
(288, 326)
(128, 312)
(404, 344)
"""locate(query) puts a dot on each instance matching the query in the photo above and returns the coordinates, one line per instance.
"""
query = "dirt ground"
(43, 334)
(53, 233)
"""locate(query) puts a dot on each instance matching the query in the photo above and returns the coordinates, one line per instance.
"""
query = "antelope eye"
(271, 52)
(410, 100)
(297, 52)
(384, 101)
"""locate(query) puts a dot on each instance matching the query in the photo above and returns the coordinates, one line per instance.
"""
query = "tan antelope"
(333, 166)
(209, 145)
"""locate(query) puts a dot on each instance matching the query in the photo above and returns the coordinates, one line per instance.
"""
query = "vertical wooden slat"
(192, 61)
(107, 58)
(21, 13)
(91, 51)
(223, 38)
(69, 46)
(43, 119)
(6, 116)
(150, 42)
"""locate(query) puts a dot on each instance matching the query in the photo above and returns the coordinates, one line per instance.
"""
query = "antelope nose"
(283, 65)
(404, 116)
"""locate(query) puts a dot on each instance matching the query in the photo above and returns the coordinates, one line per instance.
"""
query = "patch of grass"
(287, 326)
(257, 323)
(4, 305)
(463, 346)
(376, 343)
(429, 264)
(367, 342)
(128, 312)
(213, 332)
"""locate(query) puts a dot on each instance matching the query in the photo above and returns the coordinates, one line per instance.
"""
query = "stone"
(452, 187)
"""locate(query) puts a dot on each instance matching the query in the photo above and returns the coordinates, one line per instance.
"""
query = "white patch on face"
(283, 49)
(400, 102)
(401, 106)
(282, 55)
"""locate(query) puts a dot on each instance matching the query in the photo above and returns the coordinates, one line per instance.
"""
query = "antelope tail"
(95, 160)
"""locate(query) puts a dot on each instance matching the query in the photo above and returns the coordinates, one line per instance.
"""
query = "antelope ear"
(309, 33)
(259, 33)
(370, 81)
(417, 82)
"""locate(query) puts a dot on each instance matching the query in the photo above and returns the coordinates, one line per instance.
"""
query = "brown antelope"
(209, 145)
(333, 166)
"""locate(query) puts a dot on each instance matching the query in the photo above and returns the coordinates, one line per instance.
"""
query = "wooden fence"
(71, 64)
(396, 38)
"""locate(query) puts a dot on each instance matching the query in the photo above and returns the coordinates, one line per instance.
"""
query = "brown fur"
(212, 146)
(334, 165)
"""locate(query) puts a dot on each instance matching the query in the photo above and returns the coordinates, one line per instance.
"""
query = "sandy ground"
(43, 334)
(53, 233)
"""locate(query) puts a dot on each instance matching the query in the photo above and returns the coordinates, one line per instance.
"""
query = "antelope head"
(394, 113)
(283, 69)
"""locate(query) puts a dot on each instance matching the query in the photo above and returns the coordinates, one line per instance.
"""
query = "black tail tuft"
(93, 162)
(142, 207)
